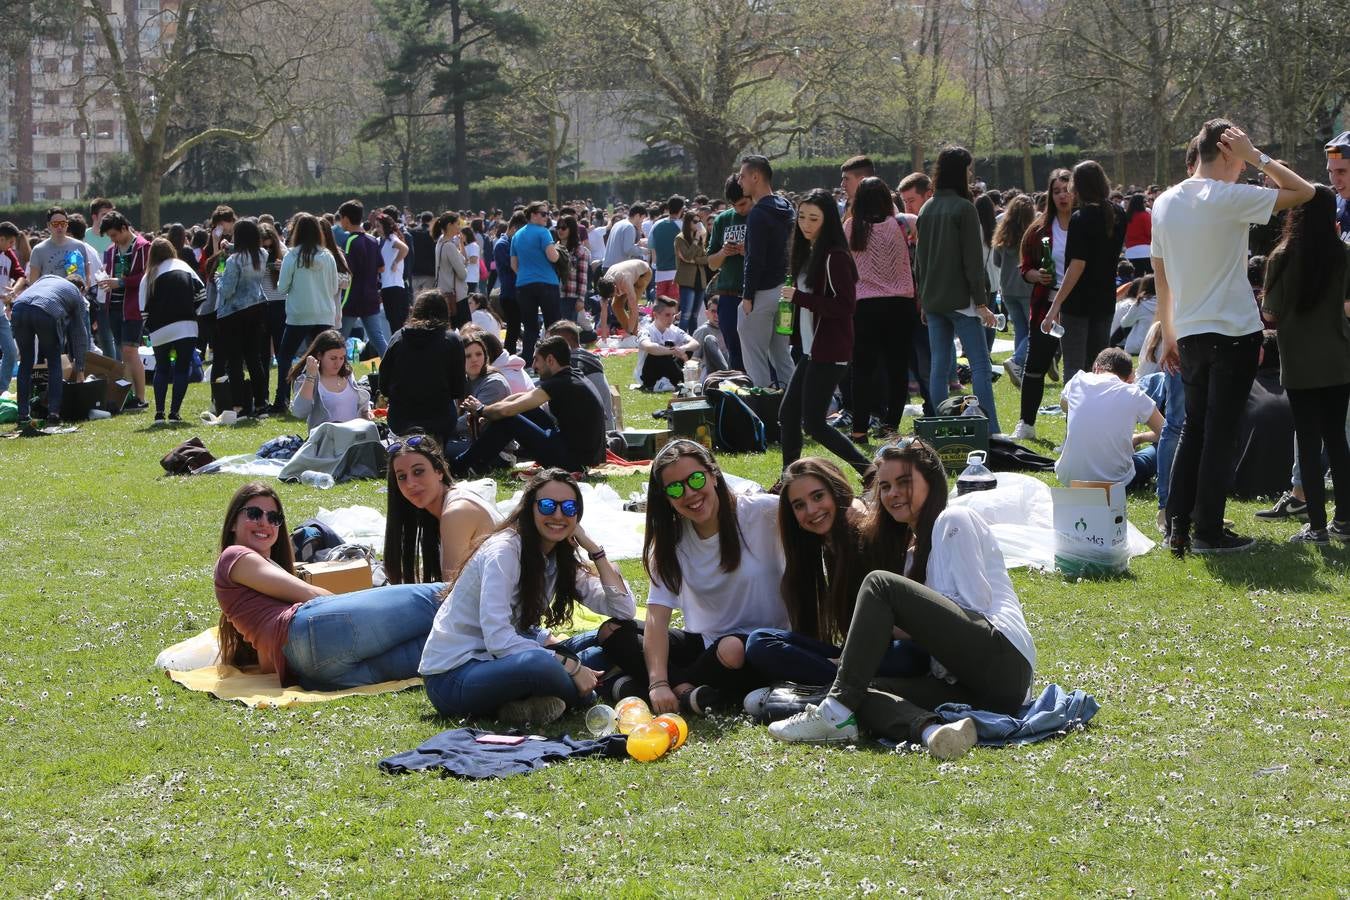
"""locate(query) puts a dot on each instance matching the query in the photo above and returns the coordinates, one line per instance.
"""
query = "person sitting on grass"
(428, 515)
(488, 653)
(576, 443)
(511, 367)
(663, 347)
(322, 386)
(1104, 406)
(716, 557)
(955, 601)
(300, 631)
(422, 372)
(587, 365)
(712, 348)
(823, 529)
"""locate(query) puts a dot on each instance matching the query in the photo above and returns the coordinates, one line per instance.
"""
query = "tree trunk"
(150, 188)
(461, 161)
(916, 151)
(552, 160)
(23, 123)
(1024, 144)
(714, 160)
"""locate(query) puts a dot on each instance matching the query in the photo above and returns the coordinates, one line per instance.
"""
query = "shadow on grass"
(1286, 571)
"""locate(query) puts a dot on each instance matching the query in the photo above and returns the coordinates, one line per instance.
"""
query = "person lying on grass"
(716, 557)
(488, 653)
(955, 601)
(304, 634)
(428, 516)
(828, 549)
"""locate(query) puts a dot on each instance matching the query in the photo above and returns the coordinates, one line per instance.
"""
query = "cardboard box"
(616, 401)
(1091, 532)
(692, 419)
(644, 443)
(341, 576)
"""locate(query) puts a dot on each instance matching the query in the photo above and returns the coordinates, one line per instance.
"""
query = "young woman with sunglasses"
(820, 525)
(428, 515)
(716, 557)
(306, 636)
(489, 653)
(955, 600)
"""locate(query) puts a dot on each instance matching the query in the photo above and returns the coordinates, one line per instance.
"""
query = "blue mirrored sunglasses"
(547, 506)
(410, 443)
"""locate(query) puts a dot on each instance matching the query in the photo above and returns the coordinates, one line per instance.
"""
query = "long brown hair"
(1017, 218)
(821, 580)
(330, 243)
(234, 650)
(322, 343)
(535, 608)
(884, 538)
(409, 528)
(663, 522)
(1091, 188)
(1047, 216)
(1309, 248)
(161, 251)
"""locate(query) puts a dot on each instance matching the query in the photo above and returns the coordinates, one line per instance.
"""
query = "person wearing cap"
(1338, 172)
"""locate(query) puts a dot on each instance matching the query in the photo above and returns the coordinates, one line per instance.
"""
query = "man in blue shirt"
(661, 241)
(506, 279)
(50, 310)
(533, 253)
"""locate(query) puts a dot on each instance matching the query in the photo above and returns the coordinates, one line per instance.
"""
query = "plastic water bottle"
(321, 480)
(973, 408)
(975, 477)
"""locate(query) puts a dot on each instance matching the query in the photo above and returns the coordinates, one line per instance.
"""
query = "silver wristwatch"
(1262, 161)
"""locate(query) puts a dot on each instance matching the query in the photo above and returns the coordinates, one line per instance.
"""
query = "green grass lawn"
(1218, 762)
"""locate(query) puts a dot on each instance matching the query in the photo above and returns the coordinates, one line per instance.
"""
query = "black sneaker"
(134, 405)
(1287, 507)
(701, 700)
(175, 417)
(52, 422)
(1227, 542)
(1339, 531)
(1178, 539)
(1309, 535)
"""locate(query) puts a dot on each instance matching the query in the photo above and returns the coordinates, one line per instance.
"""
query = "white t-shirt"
(1200, 231)
(967, 566)
(392, 276)
(1059, 239)
(717, 603)
(1103, 411)
(649, 332)
(471, 257)
(595, 239)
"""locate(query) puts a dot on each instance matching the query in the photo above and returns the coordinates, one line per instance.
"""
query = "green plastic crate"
(954, 438)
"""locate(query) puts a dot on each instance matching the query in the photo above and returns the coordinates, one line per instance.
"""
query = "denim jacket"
(240, 285)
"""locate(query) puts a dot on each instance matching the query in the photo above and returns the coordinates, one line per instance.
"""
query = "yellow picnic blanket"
(255, 689)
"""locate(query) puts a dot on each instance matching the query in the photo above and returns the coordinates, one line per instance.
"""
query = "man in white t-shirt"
(1211, 324)
(1104, 406)
(663, 347)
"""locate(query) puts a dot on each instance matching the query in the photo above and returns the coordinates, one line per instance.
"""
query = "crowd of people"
(850, 300)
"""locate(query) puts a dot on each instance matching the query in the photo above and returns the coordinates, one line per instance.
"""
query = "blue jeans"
(1174, 416)
(943, 328)
(544, 445)
(366, 637)
(28, 323)
(689, 300)
(481, 686)
(728, 314)
(788, 656)
(1145, 465)
(376, 327)
(1018, 310)
(98, 312)
(9, 353)
(175, 373)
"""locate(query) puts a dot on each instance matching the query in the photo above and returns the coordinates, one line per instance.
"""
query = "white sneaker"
(1024, 432)
(810, 727)
(754, 701)
(1162, 521)
(663, 386)
(952, 740)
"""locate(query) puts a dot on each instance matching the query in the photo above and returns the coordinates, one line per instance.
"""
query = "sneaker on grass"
(1339, 531)
(1228, 542)
(1287, 507)
(951, 740)
(811, 727)
(1310, 535)
(531, 711)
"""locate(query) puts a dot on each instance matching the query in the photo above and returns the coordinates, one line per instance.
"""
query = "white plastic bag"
(196, 652)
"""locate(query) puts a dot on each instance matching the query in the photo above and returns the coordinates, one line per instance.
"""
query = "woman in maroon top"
(304, 634)
(826, 278)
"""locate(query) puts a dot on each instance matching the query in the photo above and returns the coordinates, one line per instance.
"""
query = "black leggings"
(175, 372)
(689, 661)
(1319, 420)
(242, 340)
(805, 403)
(882, 338)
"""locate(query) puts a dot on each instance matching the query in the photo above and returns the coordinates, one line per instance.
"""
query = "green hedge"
(1000, 170)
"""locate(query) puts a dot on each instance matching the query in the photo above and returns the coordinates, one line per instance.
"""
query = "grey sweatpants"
(761, 346)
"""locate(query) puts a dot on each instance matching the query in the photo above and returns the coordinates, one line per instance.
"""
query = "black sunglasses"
(410, 443)
(255, 514)
(547, 506)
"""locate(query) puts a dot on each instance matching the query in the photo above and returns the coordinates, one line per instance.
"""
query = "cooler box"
(644, 443)
(341, 576)
(693, 419)
(954, 437)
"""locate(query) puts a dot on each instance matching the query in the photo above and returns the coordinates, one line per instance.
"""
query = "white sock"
(834, 712)
(928, 733)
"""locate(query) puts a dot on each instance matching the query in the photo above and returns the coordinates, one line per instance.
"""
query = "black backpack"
(736, 427)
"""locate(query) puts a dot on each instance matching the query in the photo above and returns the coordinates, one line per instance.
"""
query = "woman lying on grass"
(488, 653)
(820, 525)
(957, 603)
(428, 515)
(297, 630)
(716, 557)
